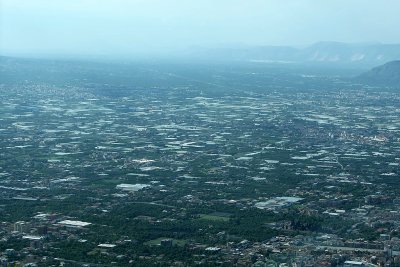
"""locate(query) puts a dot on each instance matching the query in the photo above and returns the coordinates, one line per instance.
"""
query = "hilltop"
(387, 74)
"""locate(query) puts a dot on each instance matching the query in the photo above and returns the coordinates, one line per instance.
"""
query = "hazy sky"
(140, 26)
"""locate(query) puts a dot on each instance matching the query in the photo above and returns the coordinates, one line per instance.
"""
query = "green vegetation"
(157, 242)
(211, 217)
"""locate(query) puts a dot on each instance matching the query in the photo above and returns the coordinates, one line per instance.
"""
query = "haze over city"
(251, 133)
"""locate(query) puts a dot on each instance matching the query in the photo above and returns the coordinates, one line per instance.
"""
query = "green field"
(212, 217)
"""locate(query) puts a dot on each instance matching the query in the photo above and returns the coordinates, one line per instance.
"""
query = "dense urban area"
(196, 165)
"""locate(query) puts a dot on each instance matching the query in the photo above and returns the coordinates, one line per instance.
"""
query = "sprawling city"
(199, 133)
(239, 165)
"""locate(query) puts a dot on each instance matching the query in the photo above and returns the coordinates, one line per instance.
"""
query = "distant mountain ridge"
(387, 75)
(368, 55)
(362, 56)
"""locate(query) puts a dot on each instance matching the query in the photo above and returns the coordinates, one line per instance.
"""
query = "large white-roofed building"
(70, 223)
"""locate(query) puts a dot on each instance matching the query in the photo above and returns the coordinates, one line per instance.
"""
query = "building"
(353, 264)
(21, 227)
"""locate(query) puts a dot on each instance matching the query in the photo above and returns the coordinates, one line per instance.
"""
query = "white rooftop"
(106, 245)
(32, 237)
(132, 187)
(74, 223)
